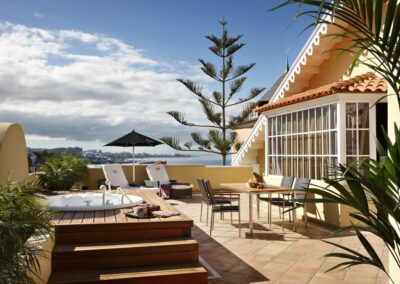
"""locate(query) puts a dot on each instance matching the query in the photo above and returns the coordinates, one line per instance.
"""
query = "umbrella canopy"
(134, 139)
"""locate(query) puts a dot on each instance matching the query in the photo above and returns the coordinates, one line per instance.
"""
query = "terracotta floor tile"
(272, 255)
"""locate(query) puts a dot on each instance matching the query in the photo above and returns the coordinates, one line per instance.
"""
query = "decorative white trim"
(257, 129)
(301, 60)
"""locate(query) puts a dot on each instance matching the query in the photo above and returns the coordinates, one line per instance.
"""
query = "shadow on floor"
(228, 265)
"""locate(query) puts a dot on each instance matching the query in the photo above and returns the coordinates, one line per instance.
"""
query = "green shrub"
(22, 215)
(62, 171)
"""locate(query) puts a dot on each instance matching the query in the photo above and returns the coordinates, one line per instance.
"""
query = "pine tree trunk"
(223, 101)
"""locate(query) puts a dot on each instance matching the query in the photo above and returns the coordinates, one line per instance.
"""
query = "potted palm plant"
(23, 215)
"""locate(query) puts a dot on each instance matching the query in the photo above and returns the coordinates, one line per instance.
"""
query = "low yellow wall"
(42, 274)
(181, 173)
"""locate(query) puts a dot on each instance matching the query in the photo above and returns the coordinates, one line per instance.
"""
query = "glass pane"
(312, 167)
(319, 118)
(284, 166)
(351, 161)
(333, 143)
(312, 119)
(270, 165)
(325, 114)
(351, 142)
(332, 166)
(318, 174)
(301, 145)
(294, 122)
(284, 145)
(351, 115)
(279, 146)
(289, 145)
(363, 115)
(305, 121)
(284, 124)
(300, 121)
(270, 146)
(312, 143)
(325, 143)
(300, 167)
(306, 167)
(278, 125)
(325, 167)
(295, 173)
(306, 147)
(333, 116)
(319, 143)
(363, 142)
(294, 144)
(269, 126)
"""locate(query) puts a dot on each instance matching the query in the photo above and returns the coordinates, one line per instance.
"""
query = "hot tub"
(92, 201)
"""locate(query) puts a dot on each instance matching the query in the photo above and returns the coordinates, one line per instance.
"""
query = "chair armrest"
(149, 183)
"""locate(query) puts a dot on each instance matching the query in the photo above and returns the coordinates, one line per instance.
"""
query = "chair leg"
(258, 207)
(211, 222)
(201, 210)
(207, 214)
(231, 217)
(283, 216)
(239, 223)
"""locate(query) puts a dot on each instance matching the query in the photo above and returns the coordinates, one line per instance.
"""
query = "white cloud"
(88, 87)
(38, 15)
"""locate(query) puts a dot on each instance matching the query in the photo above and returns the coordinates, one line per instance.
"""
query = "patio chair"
(157, 173)
(218, 208)
(300, 185)
(275, 180)
(115, 177)
(206, 199)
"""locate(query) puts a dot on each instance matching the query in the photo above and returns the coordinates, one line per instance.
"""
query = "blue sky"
(171, 32)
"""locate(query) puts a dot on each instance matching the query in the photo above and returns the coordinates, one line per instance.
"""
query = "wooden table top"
(245, 188)
(116, 215)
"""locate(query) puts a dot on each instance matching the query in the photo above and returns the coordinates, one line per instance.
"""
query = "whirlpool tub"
(92, 201)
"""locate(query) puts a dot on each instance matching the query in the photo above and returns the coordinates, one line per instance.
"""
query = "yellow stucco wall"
(261, 161)
(42, 275)
(13, 155)
(181, 173)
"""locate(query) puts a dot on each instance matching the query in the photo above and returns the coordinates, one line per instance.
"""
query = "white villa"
(318, 114)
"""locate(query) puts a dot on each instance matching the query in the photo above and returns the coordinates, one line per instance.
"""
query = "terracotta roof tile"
(366, 83)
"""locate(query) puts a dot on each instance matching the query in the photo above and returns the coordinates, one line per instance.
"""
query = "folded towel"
(165, 213)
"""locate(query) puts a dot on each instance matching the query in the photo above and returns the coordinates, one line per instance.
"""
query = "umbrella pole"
(133, 164)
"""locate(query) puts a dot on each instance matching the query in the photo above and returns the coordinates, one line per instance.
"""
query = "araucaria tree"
(220, 138)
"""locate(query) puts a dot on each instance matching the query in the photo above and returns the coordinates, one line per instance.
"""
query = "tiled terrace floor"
(272, 255)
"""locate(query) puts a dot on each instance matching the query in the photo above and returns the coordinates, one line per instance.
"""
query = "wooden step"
(124, 254)
(177, 274)
(112, 232)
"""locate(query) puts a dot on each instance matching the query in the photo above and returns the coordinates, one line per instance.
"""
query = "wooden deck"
(117, 215)
(107, 246)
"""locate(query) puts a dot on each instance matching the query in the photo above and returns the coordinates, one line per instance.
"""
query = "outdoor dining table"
(269, 189)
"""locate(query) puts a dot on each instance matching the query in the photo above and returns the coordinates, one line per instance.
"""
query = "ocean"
(188, 160)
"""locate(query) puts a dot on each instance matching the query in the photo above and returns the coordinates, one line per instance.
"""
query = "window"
(357, 131)
(303, 143)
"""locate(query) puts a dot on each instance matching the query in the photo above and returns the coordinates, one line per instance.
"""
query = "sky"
(82, 73)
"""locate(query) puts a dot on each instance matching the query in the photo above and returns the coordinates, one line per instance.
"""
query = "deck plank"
(78, 216)
(88, 218)
(99, 216)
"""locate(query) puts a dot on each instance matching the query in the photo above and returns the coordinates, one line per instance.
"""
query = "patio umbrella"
(134, 139)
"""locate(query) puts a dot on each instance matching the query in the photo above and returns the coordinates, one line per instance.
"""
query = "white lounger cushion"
(115, 176)
(181, 186)
(157, 172)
